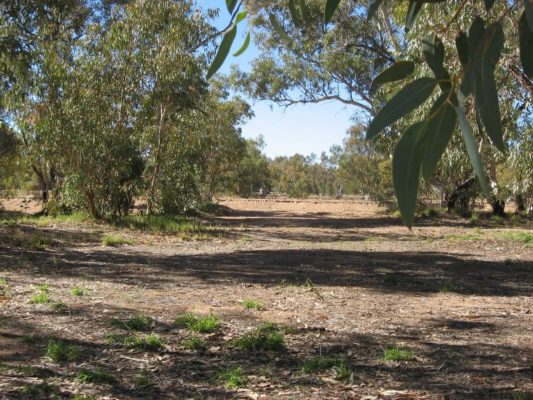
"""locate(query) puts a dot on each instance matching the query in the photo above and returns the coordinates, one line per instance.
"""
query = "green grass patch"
(198, 323)
(77, 291)
(43, 287)
(252, 304)
(59, 306)
(150, 342)
(267, 337)
(522, 237)
(195, 343)
(342, 370)
(321, 363)
(26, 370)
(398, 354)
(58, 351)
(145, 342)
(142, 379)
(40, 298)
(40, 241)
(116, 338)
(497, 219)
(164, 224)
(447, 288)
(136, 323)
(317, 364)
(115, 240)
(48, 220)
(4, 287)
(233, 378)
(523, 396)
(97, 375)
(43, 390)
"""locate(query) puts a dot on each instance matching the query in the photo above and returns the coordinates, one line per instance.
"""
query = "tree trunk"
(498, 207)
(462, 194)
(520, 203)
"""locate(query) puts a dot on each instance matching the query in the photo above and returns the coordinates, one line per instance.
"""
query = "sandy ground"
(345, 280)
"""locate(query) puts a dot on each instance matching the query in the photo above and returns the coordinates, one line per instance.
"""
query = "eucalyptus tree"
(309, 63)
(37, 40)
(112, 107)
(252, 173)
(8, 154)
(467, 82)
(203, 151)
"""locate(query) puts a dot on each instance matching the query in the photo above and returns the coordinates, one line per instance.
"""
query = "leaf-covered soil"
(342, 280)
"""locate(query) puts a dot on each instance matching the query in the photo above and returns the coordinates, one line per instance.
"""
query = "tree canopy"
(453, 54)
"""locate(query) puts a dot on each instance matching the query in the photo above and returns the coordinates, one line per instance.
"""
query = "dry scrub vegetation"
(271, 299)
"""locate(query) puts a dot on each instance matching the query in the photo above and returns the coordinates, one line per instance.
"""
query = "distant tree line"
(360, 167)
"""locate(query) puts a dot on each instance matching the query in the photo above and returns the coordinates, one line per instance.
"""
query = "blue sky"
(304, 129)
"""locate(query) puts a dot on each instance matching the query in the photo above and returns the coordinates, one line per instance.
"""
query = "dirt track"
(349, 280)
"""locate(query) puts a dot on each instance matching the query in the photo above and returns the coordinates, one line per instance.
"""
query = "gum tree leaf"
(433, 50)
(528, 4)
(438, 130)
(396, 72)
(331, 7)
(412, 11)
(405, 101)
(306, 13)
(475, 35)
(526, 46)
(240, 16)
(489, 4)
(373, 8)
(485, 89)
(461, 43)
(472, 150)
(244, 46)
(230, 4)
(406, 163)
(222, 51)
(295, 14)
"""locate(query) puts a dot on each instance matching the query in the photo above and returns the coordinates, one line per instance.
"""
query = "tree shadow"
(386, 271)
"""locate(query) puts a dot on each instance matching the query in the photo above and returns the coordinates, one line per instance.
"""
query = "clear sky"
(304, 129)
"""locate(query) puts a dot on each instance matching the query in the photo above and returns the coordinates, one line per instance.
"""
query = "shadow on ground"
(400, 272)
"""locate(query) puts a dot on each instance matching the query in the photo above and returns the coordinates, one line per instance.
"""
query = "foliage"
(58, 351)
(42, 296)
(398, 354)
(233, 378)
(96, 375)
(267, 337)
(252, 304)
(149, 342)
(195, 343)
(136, 323)
(113, 241)
(101, 117)
(455, 47)
(252, 173)
(197, 323)
(77, 291)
